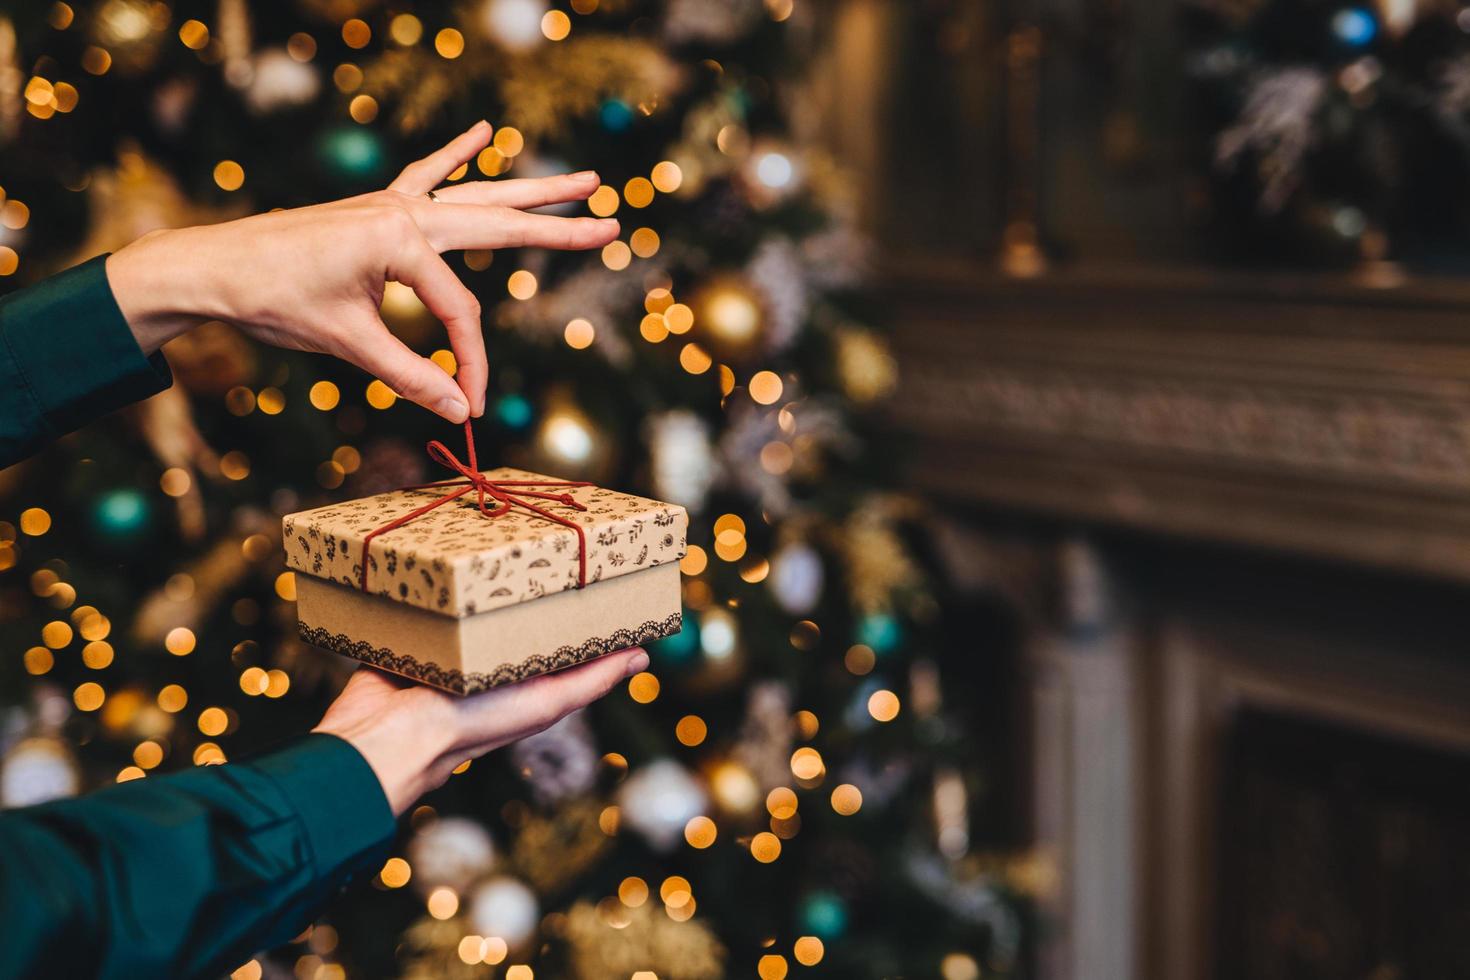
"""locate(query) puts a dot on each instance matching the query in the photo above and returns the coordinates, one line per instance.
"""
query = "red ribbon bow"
(495, 490)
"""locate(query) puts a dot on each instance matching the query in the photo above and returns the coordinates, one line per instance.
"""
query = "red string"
(485, 487)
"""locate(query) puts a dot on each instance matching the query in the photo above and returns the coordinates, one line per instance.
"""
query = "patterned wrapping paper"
(457, 562)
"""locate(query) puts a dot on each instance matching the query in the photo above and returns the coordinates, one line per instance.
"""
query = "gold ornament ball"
(865, 366)
(131, 31)
(730, 314)
(568, 443)
(406, 316)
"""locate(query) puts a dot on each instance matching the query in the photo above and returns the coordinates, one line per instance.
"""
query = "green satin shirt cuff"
(337, 798)
(67, 356)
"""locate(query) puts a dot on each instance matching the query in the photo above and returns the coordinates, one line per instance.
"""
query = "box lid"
(457, 562)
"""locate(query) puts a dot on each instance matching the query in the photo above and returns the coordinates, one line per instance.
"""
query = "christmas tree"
(786, 789)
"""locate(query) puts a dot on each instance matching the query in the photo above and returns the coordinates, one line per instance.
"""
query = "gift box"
(487, 580)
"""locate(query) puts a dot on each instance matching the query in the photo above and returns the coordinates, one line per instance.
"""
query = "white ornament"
(560, 762)
(279, 82)
(659, 799)
(796, 578)
(450, 852)
(718, 635)
(516, 24)
(37, 770)
(506, 909)
(683, 459)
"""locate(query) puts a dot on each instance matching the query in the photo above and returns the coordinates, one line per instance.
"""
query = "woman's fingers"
(457, 308)
(489, 721)
(524, 193)
(370, 346)
(424, 175)
(454, 226)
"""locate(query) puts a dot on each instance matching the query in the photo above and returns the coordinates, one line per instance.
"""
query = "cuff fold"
(75, 350)
(341, 804)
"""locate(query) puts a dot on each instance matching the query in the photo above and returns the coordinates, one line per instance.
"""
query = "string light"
(229, 175)
(449, 43)
(617, 256)
(356, 33)
(521, 285)
(883, 705)
(691, 730)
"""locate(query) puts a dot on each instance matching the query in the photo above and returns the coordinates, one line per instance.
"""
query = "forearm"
(186, 874)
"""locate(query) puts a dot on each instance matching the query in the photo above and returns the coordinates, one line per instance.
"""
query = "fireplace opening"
(1342, 853)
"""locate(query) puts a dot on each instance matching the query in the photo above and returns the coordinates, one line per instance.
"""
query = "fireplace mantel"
(1312, 415)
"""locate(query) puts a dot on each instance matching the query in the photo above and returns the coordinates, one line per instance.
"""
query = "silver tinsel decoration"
(1278, 125)
(778, 272)
(764, 746)
(593, 293)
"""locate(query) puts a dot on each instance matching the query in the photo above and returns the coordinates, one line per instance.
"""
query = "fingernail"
(452, 409)
(479, 126)
(608, 222)
(637, 664)
(585, 175)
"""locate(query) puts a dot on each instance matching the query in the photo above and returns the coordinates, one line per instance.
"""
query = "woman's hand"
(312, 278)
(415, 736)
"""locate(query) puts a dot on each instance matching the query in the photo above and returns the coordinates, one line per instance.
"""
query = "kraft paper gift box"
(466, 602)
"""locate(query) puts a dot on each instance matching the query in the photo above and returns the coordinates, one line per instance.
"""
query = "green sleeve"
(188, 874)
(67, 357)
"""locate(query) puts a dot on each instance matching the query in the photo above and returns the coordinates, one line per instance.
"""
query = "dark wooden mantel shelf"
(1306, 414)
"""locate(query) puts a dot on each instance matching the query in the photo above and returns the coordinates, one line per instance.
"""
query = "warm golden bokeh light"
(34, 521)
(694, 360)
(771, 967)
(442, 903)
(395, 873)
(633, 892)
(579, 334)
(847, 799)
(356, 33)
(691, 730)
(324, 396)
(781, 803)
(521, 285)
(604, 202)
(179, 641)
(229, 175)
(643, 687)
(617, 256)
(883, 705)
(213, 721)
(694, 561)
(808, 950)
(700, 832)
(765, 847)
(449, 43)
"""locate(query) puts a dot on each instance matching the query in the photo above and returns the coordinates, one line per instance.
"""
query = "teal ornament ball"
(351, 152)
(616, 115)
(824, 915)
(881, 631)
(121, 515)
(680, 648)
(514, 411)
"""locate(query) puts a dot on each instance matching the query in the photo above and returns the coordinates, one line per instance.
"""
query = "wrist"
(399, 747)
(163, 286)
